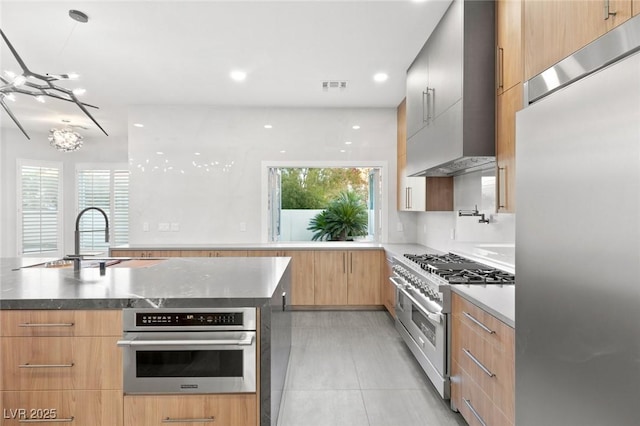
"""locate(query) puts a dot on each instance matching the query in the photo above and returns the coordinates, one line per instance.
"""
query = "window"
(107, 189)
(39, 208)
(297, 194)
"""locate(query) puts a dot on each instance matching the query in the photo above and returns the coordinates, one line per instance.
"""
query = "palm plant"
(345, 217)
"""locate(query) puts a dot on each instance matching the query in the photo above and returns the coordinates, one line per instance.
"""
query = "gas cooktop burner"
(456, 269)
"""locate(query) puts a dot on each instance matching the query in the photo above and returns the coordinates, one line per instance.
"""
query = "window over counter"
(300, 201)
(108, 189)
(39, 208)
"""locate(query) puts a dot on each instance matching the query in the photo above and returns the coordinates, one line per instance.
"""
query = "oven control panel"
(187, 319)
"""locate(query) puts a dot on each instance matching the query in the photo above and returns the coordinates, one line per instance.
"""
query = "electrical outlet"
(243, 227)
(175, 227)
(163, 227)
(145, 226)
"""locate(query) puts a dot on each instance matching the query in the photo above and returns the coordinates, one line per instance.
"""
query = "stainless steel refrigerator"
(578, 239)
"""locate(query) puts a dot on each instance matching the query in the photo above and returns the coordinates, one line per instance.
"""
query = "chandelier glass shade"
(65, 140)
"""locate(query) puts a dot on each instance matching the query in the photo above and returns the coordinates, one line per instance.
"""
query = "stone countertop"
(499, 301)
(172, 282)
(310, 245)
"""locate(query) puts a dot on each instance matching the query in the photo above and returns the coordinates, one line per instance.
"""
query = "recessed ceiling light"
(268, 126)
(73, 76)
(355, 127)
(348, 143)
(380, 77)
(138, 125)
(159, 152)
(79, 91)
(238, 75)
(196, 153)
(282, 151)
(343, 150)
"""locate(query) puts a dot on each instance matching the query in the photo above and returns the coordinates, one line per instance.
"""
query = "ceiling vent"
(334, 85)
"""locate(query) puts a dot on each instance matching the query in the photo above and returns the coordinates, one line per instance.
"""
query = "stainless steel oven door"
(189, 362)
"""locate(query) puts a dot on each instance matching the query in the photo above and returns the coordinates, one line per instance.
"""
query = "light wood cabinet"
(554, 29)
(347, 277)
(227, 409)
(86, 407)
(635, 7)
(483, 365)
(509, 44)
(213, 253)
(60, 363)
(302, 276)
(508, 103)
(42, 323)
(145, 253)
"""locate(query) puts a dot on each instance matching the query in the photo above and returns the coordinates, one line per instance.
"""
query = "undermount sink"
(95, 263)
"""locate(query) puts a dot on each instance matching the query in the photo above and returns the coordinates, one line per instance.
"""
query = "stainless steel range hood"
(459, 138)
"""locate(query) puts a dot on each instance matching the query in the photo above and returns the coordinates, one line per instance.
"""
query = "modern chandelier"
(40, 86)
(65, 139)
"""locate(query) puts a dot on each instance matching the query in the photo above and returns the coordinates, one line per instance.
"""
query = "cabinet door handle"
(425, 105)
(284, 301)
(344, 263)
(607, 10)
(61, 324)
(502, 187)
(478, 323)
(27, 365)
(474, 412)
(186, 420)
(351, 262)
(500, 68)
(410, 196)
(65, 420)
(406, 197)
(478, 363)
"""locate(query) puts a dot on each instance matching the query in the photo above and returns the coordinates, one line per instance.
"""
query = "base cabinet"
(483, 366)
(157, 410)
(85, 407)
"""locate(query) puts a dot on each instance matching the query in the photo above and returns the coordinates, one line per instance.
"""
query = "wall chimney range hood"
(451, 94)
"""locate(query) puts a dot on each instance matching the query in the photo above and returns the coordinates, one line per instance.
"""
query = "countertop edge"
(505, 313)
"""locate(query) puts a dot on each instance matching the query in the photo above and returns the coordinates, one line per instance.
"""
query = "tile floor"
(352, 368)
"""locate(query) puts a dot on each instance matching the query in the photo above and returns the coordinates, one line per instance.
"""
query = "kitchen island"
(262, 283)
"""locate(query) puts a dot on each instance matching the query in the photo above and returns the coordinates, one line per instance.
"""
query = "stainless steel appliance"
(578, 241)
(423, 305)
(189, 350)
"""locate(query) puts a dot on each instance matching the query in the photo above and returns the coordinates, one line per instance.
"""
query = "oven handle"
(190, 342)
(433, 316)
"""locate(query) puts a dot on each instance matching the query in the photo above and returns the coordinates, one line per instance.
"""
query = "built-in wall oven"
(189, 350)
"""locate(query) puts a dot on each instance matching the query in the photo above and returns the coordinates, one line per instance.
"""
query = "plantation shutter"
(40, 209)
(109, 191)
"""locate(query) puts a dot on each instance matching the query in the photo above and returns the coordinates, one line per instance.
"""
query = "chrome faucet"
(77, 257)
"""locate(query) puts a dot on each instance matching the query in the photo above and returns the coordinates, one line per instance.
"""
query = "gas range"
(423, 305)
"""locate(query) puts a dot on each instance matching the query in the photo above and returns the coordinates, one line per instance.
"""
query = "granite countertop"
(172, 282)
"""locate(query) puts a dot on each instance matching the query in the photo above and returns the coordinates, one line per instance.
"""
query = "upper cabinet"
(509, 44)
(450, 94)
(554, 29)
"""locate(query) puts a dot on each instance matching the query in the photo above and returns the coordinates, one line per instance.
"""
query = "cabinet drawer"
(52, 363)
(476, 407)
(488, 366)
(489, 327)
(157, 410)
(61, 323)
(80, 408)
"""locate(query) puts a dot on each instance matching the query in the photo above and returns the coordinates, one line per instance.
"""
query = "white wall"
(15, 146)
(215, 197)
(447, 231)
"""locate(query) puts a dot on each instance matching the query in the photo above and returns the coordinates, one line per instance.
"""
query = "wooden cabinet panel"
(483, 365)
(439, 192)
(95, 408)
(60, 323)
(213, 253)
(509, 38)
(265, 253)
(364, 276)
(53, 363)
(554, 29)
(635, 7)
(302, 276)
(509, 103)
(388, 290)
(330, 277)
(236, 410)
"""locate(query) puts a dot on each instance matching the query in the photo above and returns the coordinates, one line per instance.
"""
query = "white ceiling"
(152, 52)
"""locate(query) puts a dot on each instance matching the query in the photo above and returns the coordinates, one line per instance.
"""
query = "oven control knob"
(209, 319)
